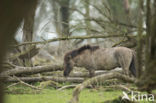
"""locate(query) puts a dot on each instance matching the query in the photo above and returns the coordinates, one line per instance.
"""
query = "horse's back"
(109, 58)
(104, 58)
(83, 60)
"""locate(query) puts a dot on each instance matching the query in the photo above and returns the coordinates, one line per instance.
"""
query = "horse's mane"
(78, 51)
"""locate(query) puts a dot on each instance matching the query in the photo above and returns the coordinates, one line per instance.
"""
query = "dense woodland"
(36, 34)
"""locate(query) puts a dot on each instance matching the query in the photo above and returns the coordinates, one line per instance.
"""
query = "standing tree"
(148, 79)
(12, 12)
(28, 34)
(87, 15)
(64, 10)
(61, 20)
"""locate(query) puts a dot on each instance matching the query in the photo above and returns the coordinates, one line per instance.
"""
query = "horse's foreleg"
(91, 73)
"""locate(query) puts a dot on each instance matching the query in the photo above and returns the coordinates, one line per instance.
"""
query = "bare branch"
(67, 86)
(12, 85)
(26, 84)
(32, 50)
(69, 38)
(96, 79)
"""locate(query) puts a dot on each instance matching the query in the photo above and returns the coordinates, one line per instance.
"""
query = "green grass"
(55, 96)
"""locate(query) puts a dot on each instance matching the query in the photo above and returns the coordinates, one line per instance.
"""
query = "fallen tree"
(19, 70)
(31, 70)
(97, 79)
(81, 74)
(46, 78)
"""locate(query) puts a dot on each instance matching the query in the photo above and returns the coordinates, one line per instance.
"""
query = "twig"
(32, 50)
(118, 43)
(67, 86)
(8, 65)
(97, 79)
(120, 87)
(12, 85)
(49, 82)
(26, 84)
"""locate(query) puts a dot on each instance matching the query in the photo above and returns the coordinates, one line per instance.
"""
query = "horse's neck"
(83, 57)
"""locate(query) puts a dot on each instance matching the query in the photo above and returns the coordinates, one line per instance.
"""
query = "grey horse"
(96, 58)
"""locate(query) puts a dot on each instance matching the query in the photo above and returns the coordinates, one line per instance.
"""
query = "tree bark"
(87, 22)
(31, 51)
(46, 78)
(97, 79)
(148, 79)
(28, 34)
(70, 38)
(139, 46)
(31, 70)
(65, 32)
(81, 74)
(64, 10)
(18, 70)
(12, 13)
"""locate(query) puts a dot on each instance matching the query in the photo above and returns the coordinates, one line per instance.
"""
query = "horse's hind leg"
(125, 67)
(124, 62)
(126, 71)
(127, 63)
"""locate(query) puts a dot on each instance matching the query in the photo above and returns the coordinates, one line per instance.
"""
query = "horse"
(95, 58)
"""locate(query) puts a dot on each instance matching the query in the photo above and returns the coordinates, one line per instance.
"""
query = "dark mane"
(78, 51)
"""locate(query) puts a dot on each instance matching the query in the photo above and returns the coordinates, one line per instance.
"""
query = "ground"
(51, 95)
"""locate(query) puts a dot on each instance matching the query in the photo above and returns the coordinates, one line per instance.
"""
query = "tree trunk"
(65, 14)
(65, 17)
(31, 70)
(12, 13)
(81, 74)
(87, 22)
(148, 79)
(140, 43)
(28, 34)
(46, 78)
(18, 70)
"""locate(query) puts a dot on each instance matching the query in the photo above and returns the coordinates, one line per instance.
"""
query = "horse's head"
(68, 58)
(68, 66)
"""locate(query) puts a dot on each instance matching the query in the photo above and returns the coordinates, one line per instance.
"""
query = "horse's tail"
(133, 64)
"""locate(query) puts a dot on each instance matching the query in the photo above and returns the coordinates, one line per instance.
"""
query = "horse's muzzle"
(65, 73)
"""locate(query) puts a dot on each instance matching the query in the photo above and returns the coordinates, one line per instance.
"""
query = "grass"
(51, 95)
(55, 96)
